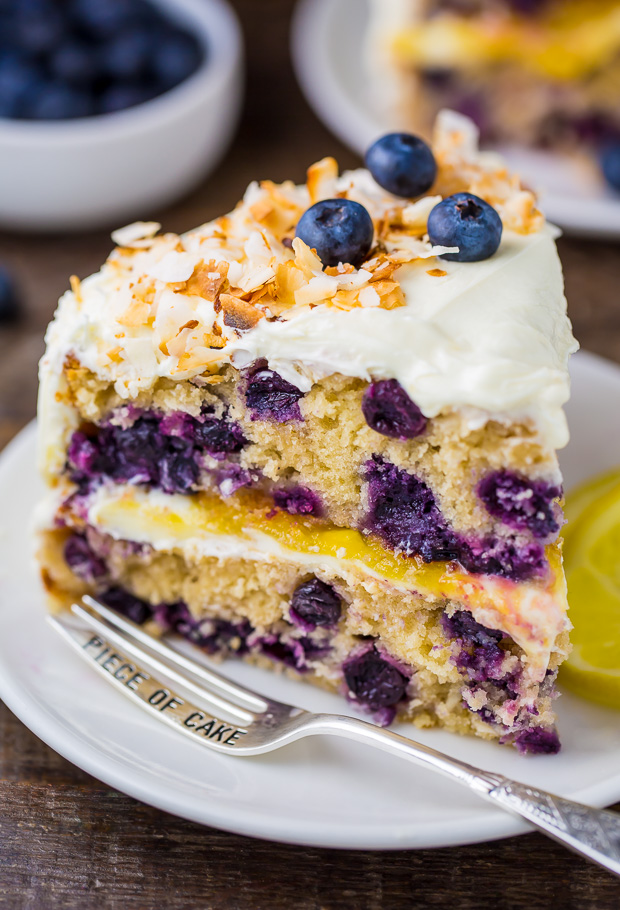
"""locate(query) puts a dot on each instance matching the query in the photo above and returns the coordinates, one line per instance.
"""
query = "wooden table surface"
(68, 841)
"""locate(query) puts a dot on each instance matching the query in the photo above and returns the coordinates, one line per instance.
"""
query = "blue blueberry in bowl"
(402, 164)
(120, 96)
(388, 410)
(102, 19)
(610, 165)
(63, 59)
(175, 58)
(57, 101)
(340, 230)
(468, 222)
(18, 76)
(73, 62)
(127, 55)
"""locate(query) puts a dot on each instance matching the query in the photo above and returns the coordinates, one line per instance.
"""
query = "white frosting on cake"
(491, 339)
(491, 335)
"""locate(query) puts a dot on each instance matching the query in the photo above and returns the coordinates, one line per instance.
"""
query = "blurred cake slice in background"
(320, 433)
(541, 73)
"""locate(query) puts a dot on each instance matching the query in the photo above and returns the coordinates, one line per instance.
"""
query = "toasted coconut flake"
(321, 179)
(289, 279)
(415, 216)
(115, 354)
(76, 287)
(343, 268)
(134, 235)
(208, 279)
(306, 259)
(136, 314)
(369, 297)
(238, 314)
(174, 267)
(436, 273)
(319, 288)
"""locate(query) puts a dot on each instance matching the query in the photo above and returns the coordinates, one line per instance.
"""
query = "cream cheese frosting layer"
(491, 339)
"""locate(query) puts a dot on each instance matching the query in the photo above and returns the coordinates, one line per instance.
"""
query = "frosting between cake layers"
(532, 613)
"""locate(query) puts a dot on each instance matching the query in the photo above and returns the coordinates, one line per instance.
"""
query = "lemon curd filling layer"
(532, 613)
(570, 41)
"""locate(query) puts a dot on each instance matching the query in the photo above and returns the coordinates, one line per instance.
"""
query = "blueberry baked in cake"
(530, 72)
(320, 433)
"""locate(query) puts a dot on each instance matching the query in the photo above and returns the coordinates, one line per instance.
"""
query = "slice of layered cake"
(319, 433)
(530, 72)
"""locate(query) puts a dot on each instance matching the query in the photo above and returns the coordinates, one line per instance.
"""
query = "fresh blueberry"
(37, 26)
(18, 77)
(130, 606)
(340, 230)
(73, 61)
(466, 221)
(56, 101)
(388, 410)
(9, 298)
(270, 397)
(120, 96)
(402, 164)
(127, 55)
(315, 603)
(175, 58)
(102, 18)
(374, 681)
(610, 165)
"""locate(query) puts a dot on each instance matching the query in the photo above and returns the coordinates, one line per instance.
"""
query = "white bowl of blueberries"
(110, 108)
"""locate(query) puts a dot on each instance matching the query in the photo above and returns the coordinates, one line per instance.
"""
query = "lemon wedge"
(592, 563)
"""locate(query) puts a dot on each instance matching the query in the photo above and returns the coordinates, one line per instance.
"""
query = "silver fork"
(232, 719)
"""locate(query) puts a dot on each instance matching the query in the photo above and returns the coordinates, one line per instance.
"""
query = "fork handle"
(594, 833)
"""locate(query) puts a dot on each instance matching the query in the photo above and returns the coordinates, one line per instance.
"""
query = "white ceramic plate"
(327, 47)
(320, 791)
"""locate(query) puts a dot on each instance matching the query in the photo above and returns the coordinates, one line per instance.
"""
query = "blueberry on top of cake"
(319, 432)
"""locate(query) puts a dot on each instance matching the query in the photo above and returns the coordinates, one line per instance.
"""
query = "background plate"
(320, 791)
(327, 46)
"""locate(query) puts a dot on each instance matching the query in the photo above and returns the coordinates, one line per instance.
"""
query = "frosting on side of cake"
(490, 339)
